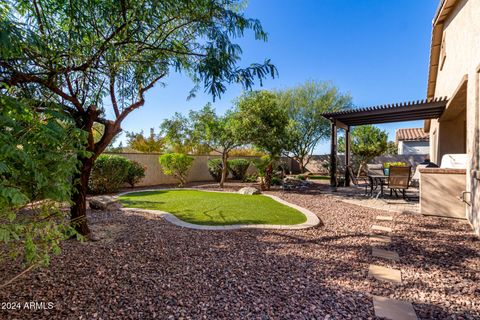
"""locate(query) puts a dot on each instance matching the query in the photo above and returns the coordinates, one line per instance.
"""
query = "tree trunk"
(302, 167)
(224, 169)
(360, 168)
(78, 211)
(85, 121)
(268, 176)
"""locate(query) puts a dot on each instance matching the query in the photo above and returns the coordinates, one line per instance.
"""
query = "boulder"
(249, 190)
(104, 203)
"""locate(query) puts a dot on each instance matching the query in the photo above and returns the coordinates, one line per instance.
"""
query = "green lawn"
(215, 208)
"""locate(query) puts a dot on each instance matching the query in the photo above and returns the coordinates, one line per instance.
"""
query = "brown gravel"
(146, 268)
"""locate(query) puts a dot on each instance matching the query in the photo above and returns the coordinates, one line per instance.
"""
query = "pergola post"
(347, 156)
(333, 157)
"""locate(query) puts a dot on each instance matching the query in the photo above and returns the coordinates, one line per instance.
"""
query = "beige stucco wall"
(439, 192)
(154, 175)
(462, 44)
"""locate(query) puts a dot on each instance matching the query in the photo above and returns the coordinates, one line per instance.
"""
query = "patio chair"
(399, 179)
(375, 169)
(358, 181)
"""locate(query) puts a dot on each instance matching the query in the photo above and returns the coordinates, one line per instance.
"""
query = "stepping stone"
(380, 238)
(385, 274)
(386, 254)
(381, 228)
(384, 218)
(393, 309)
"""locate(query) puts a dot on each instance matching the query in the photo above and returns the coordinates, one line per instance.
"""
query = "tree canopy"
(204, 129)
(367, 143)
(305, 104)
(152, 143)
(99, 58)
(264, 123)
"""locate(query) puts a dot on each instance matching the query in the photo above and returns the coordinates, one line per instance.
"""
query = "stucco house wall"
(413, 147)
(460, 63)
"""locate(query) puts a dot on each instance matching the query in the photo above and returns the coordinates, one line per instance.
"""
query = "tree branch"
(113, 96)
(20, 77)
(141, 100)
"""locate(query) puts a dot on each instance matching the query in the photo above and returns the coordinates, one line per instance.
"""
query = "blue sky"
(376, 50)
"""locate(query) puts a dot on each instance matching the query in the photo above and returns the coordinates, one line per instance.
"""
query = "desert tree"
(367, 142)
(305, 104)
(206, 130)
(264, 122)
(99, 59)
(137, 141)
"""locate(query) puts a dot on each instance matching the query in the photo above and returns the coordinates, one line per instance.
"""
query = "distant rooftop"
(411, 134)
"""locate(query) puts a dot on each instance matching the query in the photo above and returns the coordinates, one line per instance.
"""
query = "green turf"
(215, 208)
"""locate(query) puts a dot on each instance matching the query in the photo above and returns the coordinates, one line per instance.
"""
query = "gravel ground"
(146, 268)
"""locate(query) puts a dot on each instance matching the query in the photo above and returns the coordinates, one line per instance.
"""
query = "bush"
(109, 173)
(316, 177)
(176, 165)
(264, 169)
(38, 157)
(238, 168)
(136, 172)
(215, 168)
(276, 181)
(251, 178)
(387, 165)
(301, 177)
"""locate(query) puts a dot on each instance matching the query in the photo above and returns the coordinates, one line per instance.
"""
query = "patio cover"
(407, 111)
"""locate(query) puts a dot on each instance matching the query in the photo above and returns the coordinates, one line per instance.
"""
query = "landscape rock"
(105, 203)
(249, 190)
(144, 267)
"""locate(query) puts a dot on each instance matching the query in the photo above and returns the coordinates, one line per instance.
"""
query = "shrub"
(215, 168)
(238, 168)
(276, 181)
(136, 172)
(176, 165)
(316, 177)
(37, 160)
(264, 167)
(109, 173)
(387, 165)
(301, 177)
(251, 178)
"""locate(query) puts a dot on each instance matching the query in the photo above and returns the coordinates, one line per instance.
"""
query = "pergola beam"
(428, 109)
(419, 110)
(333, 157)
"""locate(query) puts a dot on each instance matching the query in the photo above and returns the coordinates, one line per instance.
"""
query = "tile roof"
(411, 134)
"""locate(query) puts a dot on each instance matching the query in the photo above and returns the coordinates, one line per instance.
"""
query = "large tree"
(264, 123)
(305, 105)
(204, 128)
(93, 55)
(367, 143)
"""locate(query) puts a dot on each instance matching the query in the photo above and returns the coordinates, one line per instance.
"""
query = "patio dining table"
(375, 181)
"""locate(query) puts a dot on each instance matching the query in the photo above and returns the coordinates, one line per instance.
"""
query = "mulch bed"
(144, 267)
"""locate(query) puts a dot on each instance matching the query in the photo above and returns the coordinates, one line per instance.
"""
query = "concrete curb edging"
(312, 219)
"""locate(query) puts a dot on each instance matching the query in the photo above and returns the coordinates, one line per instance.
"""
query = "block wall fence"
(199, 170)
